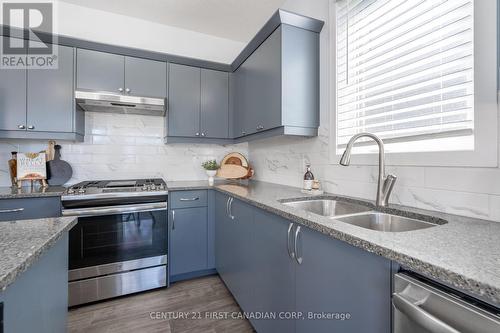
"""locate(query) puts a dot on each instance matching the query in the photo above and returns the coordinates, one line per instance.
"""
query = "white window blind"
(405, 69)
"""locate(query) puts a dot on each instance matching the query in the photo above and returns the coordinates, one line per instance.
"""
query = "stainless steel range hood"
(116, 103)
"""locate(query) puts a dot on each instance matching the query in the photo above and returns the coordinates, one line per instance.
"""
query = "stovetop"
(125, 187)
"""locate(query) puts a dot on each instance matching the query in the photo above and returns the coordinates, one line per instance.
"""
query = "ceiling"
(237, 20)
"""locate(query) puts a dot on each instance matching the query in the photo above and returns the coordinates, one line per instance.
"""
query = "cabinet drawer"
(186, 199)
(29, 208)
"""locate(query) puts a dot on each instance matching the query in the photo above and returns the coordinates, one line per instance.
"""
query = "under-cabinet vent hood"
(115, 103)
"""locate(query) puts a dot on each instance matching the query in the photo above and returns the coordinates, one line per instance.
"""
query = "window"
(409, 72)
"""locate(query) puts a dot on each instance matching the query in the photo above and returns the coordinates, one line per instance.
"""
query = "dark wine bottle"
(308, 178)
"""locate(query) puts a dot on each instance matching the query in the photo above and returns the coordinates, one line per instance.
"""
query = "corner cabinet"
(198, 104)
(276, 89)
(275, 266)
(39, 103)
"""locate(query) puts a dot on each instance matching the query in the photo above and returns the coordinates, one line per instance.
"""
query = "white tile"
(495, 208)
(125, 146)
(477, 180)
(459, 203)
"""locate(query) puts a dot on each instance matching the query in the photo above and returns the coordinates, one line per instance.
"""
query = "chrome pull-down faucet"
(385, 183)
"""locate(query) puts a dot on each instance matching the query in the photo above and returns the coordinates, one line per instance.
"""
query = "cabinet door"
(214, 104)
(50, 95)
(12, 98)
(237, 91)
(145, 77)
(99, 71)
(335, 277)
(275, 271)
(222, 237)
(188, 248)
(241, 269)
(184, 101)
(262, 86)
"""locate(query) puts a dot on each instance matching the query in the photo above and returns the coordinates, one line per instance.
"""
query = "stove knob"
(161, 187)
(144, 187)
(71, 190)
(153, 187)
(81, 190)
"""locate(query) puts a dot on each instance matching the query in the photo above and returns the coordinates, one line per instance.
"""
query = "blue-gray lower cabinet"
(38, 300)
(274, 272)
(191, 234)
(188, 241)
(273, 266)
(29, 208)
(234, 249)
(335, 277)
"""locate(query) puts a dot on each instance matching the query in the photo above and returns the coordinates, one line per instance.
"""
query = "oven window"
(107, 239)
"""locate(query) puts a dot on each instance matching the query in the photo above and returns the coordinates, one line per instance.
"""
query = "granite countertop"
(28, 192)
(463, 253)
(23, 242)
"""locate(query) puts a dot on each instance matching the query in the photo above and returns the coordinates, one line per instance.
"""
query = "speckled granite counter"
(28, 192)
(464, 253)
(23, 242)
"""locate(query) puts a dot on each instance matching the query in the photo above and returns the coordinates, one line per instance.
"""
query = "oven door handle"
(111, 210)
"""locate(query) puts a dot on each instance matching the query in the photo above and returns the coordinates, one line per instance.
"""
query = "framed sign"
(31, 166)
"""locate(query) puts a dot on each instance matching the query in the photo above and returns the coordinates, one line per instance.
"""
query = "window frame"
(486, 125)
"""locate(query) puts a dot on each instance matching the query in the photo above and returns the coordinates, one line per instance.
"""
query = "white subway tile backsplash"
(119, 146)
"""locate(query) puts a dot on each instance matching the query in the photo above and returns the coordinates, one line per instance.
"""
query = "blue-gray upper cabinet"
(100, 71)
(335, 277)
(12, 98)
(188, 240)
(198, 103)
(261, 87)
(214, 104)
(183, 101)
(145, 77)
(51, 105)
(39, 103)
(277, 86)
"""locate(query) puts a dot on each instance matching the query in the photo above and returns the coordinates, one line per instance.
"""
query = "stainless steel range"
(119, 245)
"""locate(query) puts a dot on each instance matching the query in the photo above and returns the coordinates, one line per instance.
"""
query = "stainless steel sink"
(385, 222)
(328, 207)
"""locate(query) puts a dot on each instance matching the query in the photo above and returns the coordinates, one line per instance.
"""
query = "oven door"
(119, 235)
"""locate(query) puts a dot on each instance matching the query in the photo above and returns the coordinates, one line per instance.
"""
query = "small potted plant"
(211, 170)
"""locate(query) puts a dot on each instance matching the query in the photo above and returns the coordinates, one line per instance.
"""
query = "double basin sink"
(359, 215)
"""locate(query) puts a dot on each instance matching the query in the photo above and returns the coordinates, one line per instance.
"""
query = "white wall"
(109, 28)
(122, 147)
(465, 191)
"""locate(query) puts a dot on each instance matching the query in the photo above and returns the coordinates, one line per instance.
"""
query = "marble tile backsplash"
(121, 146)
(471, 192)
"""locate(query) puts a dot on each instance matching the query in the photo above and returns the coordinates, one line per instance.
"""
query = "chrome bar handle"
(14, 210)
(419, 315)
(173, 219)
(113, 210)
(231, 216)
(227, 206)
(295, 247)
(189, 199)
(291, 253)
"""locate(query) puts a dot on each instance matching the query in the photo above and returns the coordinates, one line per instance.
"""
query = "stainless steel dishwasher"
(421, 307)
